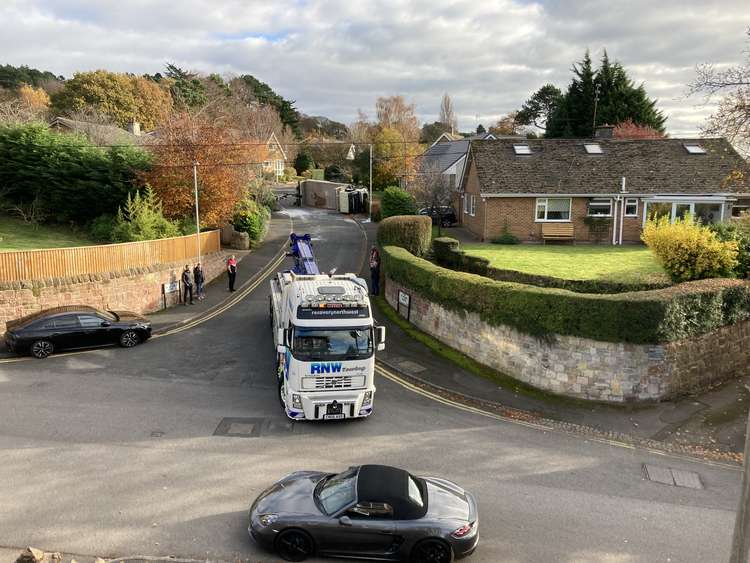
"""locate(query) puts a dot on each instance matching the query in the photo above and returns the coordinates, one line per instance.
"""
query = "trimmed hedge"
(396, 201)
(447, 253)
(642, 317)
(412, 232)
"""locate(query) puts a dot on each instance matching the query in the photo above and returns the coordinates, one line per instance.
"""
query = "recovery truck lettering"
(327, 367)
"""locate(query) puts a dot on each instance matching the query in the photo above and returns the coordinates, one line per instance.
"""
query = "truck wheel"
(281, 394)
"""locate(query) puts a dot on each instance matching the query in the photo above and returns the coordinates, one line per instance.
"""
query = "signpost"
(404, 303)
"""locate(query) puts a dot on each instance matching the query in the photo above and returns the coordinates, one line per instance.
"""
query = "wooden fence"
(79, 260)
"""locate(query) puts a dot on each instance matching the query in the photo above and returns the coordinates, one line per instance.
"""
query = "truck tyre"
(280, 394)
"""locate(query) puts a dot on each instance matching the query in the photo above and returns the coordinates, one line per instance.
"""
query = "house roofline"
(615, 194)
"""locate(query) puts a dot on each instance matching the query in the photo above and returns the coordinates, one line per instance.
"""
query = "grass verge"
(475, 368)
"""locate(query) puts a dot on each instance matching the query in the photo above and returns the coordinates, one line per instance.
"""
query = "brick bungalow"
(597, 190)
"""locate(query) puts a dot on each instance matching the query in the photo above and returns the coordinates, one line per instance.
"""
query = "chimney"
(604, 132)
(135, 128)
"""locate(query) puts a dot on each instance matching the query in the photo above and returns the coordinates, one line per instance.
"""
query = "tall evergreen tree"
(619, 100)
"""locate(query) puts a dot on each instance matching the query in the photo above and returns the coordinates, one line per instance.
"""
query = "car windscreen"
(315, 344)
(337, 491)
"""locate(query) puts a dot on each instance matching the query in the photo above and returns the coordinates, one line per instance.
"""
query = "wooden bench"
(557, 231)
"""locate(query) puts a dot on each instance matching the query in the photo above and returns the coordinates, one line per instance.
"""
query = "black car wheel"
(129, 338)
(294, 545)
(40, 349)
(281, 396)
(431, 551)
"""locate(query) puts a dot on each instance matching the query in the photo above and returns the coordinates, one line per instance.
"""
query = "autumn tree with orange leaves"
(226, 167)
(630, 130)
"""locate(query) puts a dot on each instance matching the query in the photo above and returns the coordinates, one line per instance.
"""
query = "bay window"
(553, 209)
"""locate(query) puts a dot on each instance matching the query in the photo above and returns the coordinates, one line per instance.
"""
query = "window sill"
(553, 221)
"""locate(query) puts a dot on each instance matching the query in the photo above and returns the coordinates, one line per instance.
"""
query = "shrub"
(660, 315)
(689, 251)
(412, 232)
(142, 219)
(101, 228)
(303, 162)
(251, 218)
(447, 253)
(739, 232)
(396, 201)
(334, 173)
(290, 173)
(506, 237)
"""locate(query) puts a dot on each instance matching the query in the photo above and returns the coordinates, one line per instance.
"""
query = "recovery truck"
(325, 340)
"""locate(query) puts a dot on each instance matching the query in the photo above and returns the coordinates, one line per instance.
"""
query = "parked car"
(449, 217)
(368, 511)
(77, 326)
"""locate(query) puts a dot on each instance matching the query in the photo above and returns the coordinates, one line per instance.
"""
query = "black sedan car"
(68, 327)
(444, 214)
(368, 511)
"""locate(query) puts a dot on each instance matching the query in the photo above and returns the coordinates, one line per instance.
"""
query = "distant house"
(586, 185)
(101, 133)
(275, 161)
(448, 155)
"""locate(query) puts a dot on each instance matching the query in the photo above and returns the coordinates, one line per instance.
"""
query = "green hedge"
(447, 253)
(412, 232)
(643, 317)
(396, 201)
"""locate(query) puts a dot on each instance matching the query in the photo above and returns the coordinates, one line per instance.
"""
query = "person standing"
(232, 271)
(375, 271)
(187, 286)
(199, 281)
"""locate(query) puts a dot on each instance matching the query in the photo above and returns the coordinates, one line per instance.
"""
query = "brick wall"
(585, 368)
(138, 290)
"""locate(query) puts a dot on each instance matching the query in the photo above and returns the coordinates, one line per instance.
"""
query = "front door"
(92, 331)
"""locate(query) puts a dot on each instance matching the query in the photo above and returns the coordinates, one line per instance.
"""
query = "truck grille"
(333, 382)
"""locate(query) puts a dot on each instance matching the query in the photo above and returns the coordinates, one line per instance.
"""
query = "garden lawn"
(624, 264)
(17, 235)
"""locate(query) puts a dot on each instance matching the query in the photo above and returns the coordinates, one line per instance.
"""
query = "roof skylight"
(593, 148)
(522, 149)
(694, 148)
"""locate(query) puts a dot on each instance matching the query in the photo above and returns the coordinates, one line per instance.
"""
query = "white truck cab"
(325, 341)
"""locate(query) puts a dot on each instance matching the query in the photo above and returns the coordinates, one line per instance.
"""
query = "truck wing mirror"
(380, 337)
(280, 337)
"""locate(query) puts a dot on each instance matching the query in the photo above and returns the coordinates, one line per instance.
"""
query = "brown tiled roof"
(650, 166)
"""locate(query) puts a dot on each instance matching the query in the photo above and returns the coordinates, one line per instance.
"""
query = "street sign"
(404, 304)
(171, 287)
(403, 298)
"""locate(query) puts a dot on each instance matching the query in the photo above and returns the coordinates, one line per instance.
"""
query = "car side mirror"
(106, 323)
(345, 521)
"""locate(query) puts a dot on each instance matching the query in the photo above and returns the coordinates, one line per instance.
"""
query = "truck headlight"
(367, 398)
(296, 401)
(268, 519)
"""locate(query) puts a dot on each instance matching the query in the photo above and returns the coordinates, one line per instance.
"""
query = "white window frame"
(473, 205)
(691, 203)
(743, 209)
(593, 148)
(279, 167)
(522, 149)
(631, 201)
(599, 201)
(266, 164)
(539, 201)
(466, 204)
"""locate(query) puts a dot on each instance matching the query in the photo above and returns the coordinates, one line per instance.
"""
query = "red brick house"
(598, 189)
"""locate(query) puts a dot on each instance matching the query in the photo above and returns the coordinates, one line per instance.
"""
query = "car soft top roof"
(382, 483)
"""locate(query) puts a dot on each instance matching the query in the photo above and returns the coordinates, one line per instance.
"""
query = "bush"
(506, 237)
(334, 173)
(101, 228)
(290, 173)
(411, 232)
(303, 162)
(142, 219)
(736, 231)
(396, 201)
(251, 217)
(689, 251)
(660, 315)
(447, 253)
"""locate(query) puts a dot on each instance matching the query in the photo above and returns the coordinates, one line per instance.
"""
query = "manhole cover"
(672, 477)
(253, 427)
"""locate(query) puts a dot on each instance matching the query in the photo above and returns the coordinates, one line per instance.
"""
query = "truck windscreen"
(315, 344)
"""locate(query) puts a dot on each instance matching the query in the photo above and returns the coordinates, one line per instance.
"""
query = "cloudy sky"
(334, 57)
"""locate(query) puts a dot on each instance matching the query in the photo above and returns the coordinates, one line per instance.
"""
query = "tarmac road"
(115, 452)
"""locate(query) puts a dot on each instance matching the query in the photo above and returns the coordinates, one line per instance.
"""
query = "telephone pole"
(741, 537)
(197, 218)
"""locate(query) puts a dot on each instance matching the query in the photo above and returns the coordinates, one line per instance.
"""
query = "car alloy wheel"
(431, 551)
(41, 349)
(294, 545)
(129, 338)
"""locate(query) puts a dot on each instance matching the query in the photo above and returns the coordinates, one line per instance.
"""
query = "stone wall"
(584, 368)
(138, 290)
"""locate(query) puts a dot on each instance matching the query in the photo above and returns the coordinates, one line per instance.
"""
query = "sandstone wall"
(584, 368)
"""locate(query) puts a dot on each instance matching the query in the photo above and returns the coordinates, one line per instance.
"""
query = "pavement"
(113, 452)
(710, 425)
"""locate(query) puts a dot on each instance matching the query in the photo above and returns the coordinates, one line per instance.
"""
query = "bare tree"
(447, 114)
(394, 113)
(732, 117)
(432, 189)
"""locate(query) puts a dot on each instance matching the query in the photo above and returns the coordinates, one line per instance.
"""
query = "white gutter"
(650, 196)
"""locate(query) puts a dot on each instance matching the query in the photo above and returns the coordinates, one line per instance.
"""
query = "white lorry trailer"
(325, 340)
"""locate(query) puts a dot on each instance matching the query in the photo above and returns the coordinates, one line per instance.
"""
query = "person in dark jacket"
(187, 286)
(199, 280)
(375, 271)
(231, 271)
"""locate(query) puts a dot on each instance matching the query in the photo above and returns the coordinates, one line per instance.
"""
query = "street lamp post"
(369, 199)
(741, 537)
(197, 217)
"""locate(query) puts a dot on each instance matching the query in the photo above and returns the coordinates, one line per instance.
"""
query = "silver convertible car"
(368, 511)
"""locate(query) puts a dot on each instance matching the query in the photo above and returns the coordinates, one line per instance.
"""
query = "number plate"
(335, 416)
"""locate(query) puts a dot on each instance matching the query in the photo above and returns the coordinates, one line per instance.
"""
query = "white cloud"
(336, 56)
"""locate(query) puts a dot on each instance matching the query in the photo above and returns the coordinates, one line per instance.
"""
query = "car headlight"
(296, 401)
(367, 398)
(267, 519)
